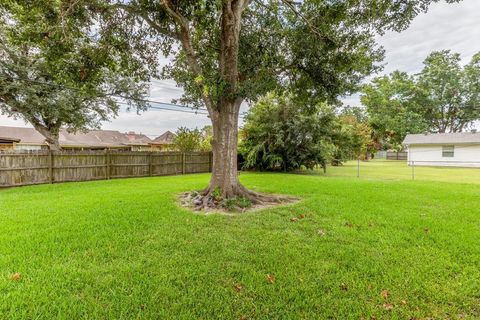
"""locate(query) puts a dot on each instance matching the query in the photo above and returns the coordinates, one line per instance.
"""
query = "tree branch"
(183, 35)
(162, 30)
(229, 45)
(290, 5)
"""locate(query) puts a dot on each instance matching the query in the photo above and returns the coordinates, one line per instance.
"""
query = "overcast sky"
(445, 26)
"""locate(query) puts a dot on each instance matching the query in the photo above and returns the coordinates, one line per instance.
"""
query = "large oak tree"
(449, 93)
(54, 72)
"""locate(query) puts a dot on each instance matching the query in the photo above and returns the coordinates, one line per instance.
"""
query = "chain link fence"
(382, 169)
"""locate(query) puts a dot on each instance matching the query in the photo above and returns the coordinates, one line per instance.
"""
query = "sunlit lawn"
(399, 170)
(123, 249)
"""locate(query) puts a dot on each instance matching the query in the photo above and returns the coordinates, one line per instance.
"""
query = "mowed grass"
(399, 170)
(123, 249)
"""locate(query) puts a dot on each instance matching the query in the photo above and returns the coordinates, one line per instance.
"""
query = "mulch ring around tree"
(197, 202)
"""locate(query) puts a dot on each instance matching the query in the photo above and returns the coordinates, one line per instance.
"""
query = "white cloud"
(445, 26)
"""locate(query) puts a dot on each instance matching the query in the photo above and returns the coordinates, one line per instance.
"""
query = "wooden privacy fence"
(19, 169)
(397, 155)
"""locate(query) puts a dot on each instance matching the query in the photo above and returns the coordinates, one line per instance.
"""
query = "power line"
(168, 109)
(191, 110)
(112, 95)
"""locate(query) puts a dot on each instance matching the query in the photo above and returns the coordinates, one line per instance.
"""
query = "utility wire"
(168, 109)
(191, 109)
(112, 95)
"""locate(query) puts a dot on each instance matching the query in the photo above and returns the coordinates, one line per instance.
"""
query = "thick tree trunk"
(224, 181)
(53, 143)
(224, 146)
(51, 138)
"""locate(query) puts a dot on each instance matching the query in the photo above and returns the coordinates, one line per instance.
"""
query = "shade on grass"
(123, 249)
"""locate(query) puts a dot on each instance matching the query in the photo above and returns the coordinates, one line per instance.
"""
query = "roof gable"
(166, 138)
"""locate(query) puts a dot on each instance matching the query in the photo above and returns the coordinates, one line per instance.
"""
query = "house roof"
(443, 138)
(166, 138)
(25, 135)
(92, 138)
(8, 140)
(137, 139)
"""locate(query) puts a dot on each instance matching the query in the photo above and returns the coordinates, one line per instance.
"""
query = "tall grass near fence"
(18, 169)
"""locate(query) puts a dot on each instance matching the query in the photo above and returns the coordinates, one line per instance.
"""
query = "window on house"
(448, 151)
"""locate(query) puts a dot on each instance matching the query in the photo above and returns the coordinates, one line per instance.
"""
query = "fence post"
(210, 161)
(150, 164)
(50, 166)
(358, 168)
(183, 162)
(413, 170)
(107, 160)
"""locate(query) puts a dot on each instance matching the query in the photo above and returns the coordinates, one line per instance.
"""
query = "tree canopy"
(53, 74)
(393, 107)
(443, 97)
(356, 139)
(449, 93)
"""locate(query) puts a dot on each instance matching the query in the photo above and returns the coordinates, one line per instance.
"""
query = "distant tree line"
(443, 97)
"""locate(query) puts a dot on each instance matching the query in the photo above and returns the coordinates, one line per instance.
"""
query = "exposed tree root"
(239, 201)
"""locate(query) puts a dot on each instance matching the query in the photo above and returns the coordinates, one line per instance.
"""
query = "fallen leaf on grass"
(388, 306)
(385, 294)
(243, 318)
(238, 287)
(320, 232)
(344, 286)
(270, 278)
(404, 302)
(301, 216)
(294, 219)
(16, 276)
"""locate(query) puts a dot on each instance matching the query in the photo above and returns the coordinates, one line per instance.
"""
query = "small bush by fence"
(26, 168)
(397, 155)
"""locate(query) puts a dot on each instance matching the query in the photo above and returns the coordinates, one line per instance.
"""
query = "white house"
(444, 149)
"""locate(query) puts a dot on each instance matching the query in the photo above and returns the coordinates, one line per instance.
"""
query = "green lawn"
(399, 170)
(123, 249)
